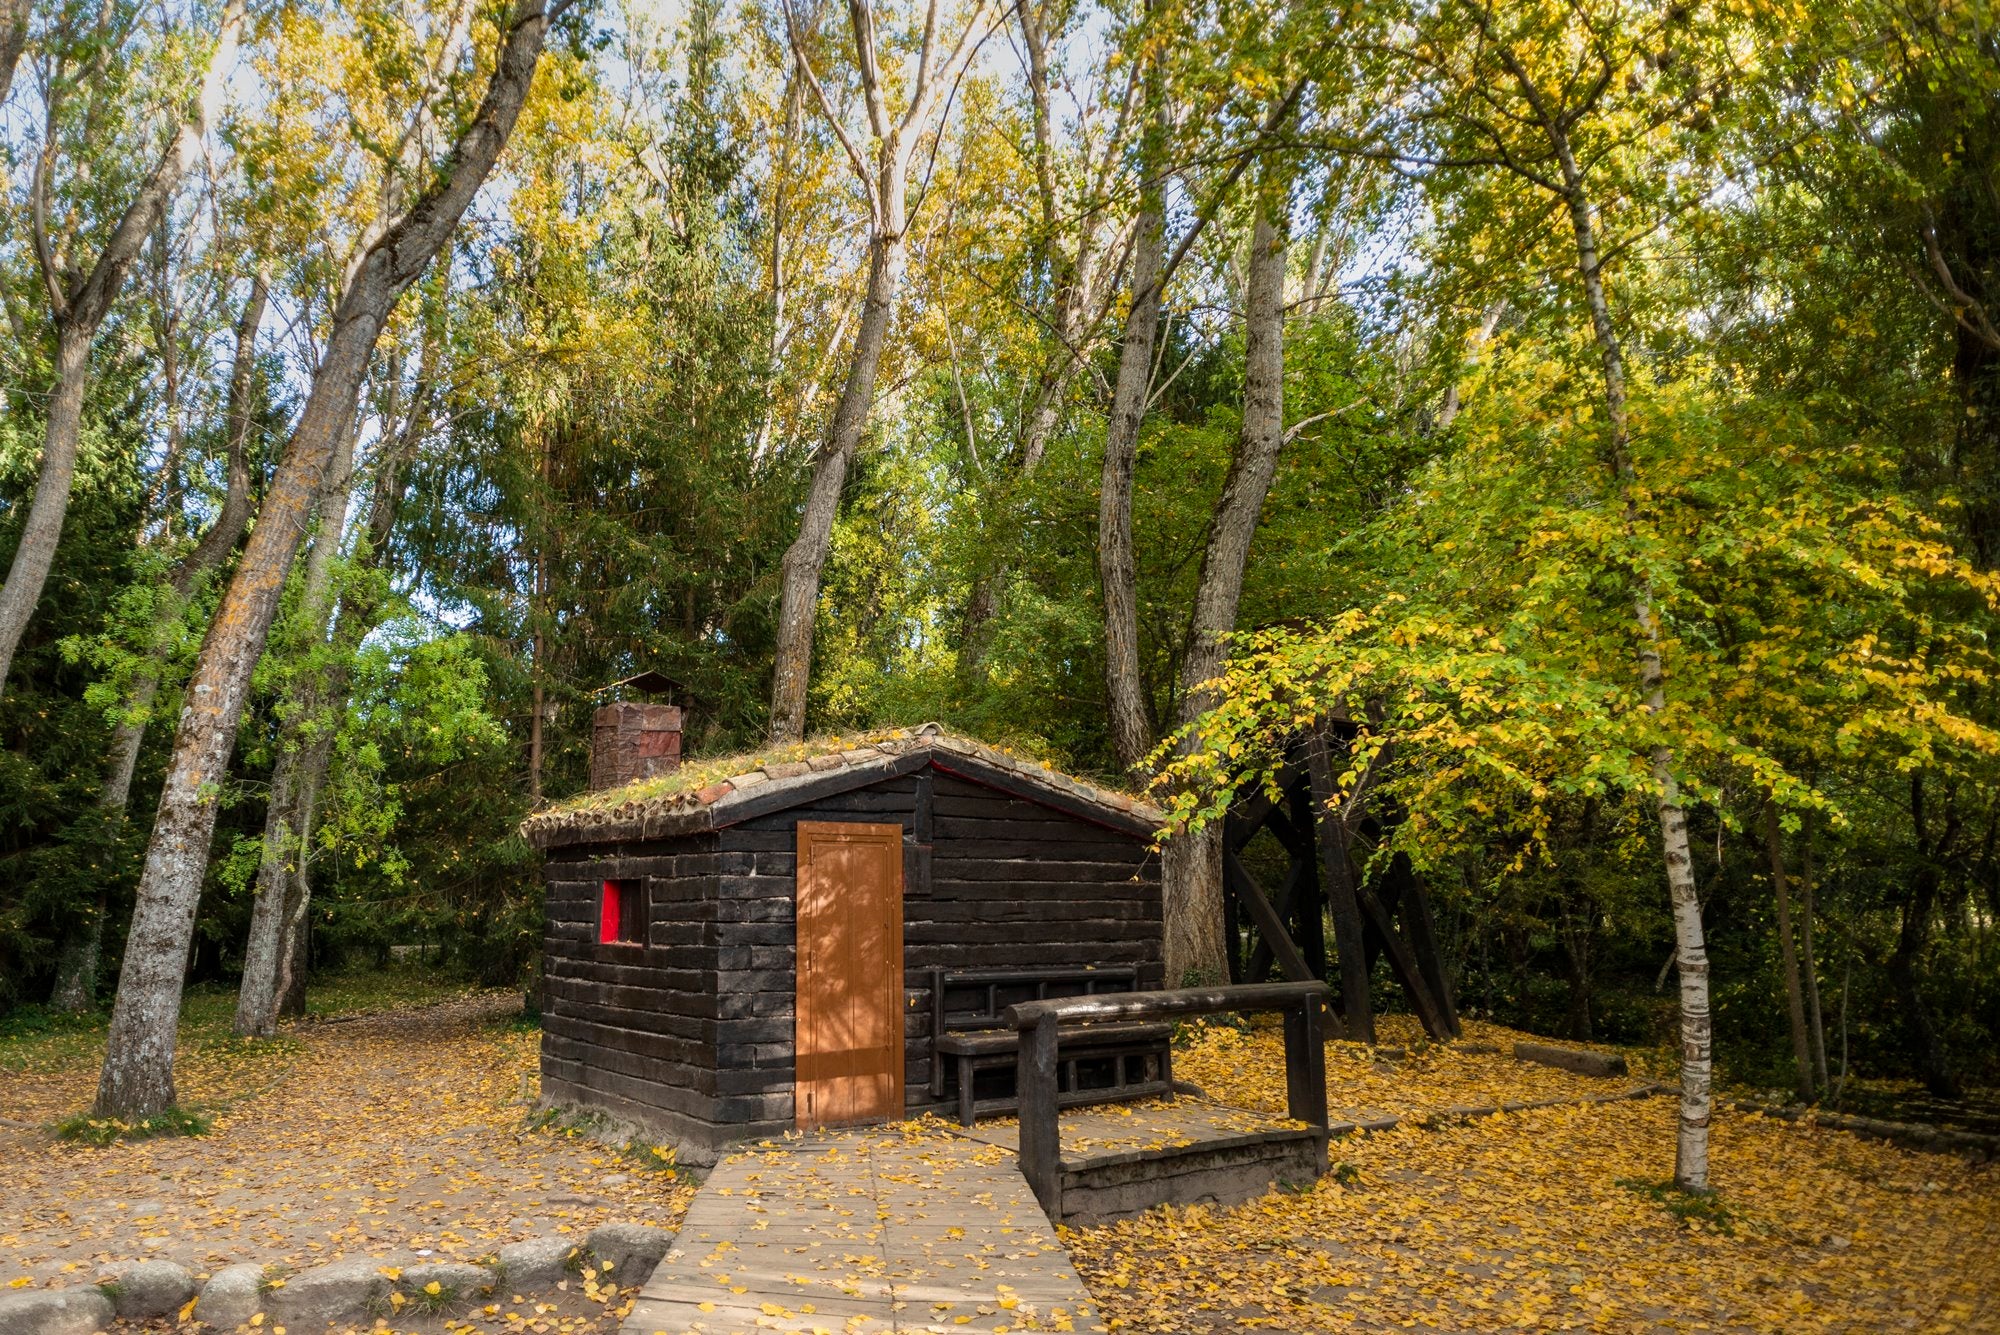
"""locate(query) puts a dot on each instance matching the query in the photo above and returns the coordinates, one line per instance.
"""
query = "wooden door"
(849, 1037)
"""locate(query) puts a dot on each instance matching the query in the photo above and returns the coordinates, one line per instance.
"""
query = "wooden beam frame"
(1304, 1008)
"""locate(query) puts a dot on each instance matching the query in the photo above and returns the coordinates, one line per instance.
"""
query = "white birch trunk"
(1691, 953)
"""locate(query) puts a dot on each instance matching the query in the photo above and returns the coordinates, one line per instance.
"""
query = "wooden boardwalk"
(862, 1232)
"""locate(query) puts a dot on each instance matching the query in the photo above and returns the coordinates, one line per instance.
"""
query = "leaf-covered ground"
(400, 1124)
(400, 1121)
(1542, 1220)
(1404, 1075)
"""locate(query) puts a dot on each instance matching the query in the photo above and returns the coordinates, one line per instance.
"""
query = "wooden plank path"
(861, 1232)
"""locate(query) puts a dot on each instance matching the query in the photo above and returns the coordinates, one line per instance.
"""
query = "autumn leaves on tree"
(1569, 432)
(138, 1067)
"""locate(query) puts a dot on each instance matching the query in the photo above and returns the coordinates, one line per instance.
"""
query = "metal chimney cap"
(648, 682)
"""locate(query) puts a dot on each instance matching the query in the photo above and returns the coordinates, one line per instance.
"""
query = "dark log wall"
(629, 1028)
(1001, 883)
(692, 1034)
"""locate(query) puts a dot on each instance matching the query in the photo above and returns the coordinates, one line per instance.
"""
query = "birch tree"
(1552, 104)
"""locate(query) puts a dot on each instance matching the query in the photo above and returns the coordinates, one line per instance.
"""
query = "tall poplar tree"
(138, 1075)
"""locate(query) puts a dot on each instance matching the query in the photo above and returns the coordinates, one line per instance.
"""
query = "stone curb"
(354, 1288)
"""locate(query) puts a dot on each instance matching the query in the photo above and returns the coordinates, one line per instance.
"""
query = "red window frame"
(621, 913)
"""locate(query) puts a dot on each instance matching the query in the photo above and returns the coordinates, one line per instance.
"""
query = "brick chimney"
(630, 740)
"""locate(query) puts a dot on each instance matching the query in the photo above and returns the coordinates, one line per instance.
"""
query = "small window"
(622, 917)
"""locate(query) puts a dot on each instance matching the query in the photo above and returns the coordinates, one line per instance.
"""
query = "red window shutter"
(607, 913)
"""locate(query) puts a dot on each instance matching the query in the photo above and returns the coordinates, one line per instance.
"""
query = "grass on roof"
(698, 773)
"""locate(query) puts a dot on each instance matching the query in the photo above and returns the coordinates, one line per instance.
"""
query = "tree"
(884, 178)
(1068, 269)
(1555, 102)
(14, 15)
(137, 1079)
(1191, 865)
(76, 969)
(80, 299)
(318, 701)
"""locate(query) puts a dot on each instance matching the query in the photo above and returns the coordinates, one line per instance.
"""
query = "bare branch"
(977, 30)
(1980, 324)
(805, 68)
(38, 222)
(867, 57)
(1279, 114)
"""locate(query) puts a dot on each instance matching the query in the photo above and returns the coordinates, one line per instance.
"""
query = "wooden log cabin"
(830, 934)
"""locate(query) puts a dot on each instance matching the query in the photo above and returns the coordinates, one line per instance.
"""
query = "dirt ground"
(401, 1130)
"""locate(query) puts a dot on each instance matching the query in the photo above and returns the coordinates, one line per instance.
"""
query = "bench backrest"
(978, 999)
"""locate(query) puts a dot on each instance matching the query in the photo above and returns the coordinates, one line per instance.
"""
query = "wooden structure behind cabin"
(1322, 836)
(733, 954)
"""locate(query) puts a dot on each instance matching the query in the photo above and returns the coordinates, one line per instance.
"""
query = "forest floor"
(400, 1119)
(396, 1117)
(1552, 1219)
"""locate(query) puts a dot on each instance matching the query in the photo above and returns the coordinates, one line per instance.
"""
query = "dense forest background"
(592, 429)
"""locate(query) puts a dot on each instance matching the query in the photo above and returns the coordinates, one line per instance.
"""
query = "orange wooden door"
(849, 1016)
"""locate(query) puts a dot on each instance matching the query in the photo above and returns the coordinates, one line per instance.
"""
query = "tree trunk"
(1117, 568)
(1577, 953)
(1191, 885)
(1808, 964)
(323, 703)
(1330, 831)
(1904, 974)
(79, 311)
(43, 527)
(886, 183)
(267, 913)
(1691, 953)
(288, 993)
(273, 967)
(76, 966)
(1076, 281)
(1490, 321)
(806, 557)
(138, 1075)
(1788, 959)
(1912, 941)
(13, 40)
(285, 829)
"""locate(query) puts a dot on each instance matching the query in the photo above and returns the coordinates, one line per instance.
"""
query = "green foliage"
(1692, 1209)
(102, 1131)
(629, 357)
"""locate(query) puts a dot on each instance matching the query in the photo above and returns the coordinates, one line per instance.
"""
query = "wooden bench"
(1099, 1063)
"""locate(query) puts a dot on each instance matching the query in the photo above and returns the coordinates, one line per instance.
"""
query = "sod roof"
(712, 793)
